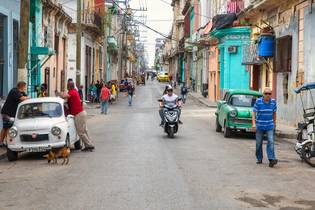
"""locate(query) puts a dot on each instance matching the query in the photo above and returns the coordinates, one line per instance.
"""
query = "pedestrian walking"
(130, 92)
(15, 96)
(113, 92)
(80, 116)
(92, 91)
(81, 93)
(104, 98)
(264, 122)
(98, 90)
(184, 92)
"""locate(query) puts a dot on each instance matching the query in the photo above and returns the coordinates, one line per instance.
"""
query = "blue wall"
(11, 12)
(233, 74)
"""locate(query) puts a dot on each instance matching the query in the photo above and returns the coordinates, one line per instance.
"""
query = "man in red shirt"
(80, 116)
(104, 99)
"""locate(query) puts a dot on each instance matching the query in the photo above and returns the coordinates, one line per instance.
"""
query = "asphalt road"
(136, 167)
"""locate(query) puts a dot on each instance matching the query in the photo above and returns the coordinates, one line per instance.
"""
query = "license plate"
(37, 149)
(249, 130)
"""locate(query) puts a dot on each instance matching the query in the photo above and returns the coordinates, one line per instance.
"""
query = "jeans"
(270, 145)
(130, 99)
(104, 107)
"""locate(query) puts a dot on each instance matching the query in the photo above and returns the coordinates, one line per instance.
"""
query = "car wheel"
(12, 155)
(227, 131)
(77, 145)
(68, 144)
(218, 127)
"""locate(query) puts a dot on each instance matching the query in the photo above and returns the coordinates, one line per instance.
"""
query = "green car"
(234, 111)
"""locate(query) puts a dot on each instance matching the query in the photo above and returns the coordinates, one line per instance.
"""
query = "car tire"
(227, 131)
(12, 155)
(68, 144)
(218, 127)
(77, 145)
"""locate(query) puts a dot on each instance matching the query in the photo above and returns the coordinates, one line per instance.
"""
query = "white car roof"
(43, 100)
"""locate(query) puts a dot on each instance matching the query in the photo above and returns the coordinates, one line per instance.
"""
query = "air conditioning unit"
(232, 49)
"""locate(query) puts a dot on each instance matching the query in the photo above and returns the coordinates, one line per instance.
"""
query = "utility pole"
(23, 41)
(105, 44)
(78, 50)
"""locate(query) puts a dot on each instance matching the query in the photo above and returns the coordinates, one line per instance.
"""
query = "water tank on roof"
(266, 44)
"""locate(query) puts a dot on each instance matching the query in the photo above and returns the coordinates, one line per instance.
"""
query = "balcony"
(112, 44)
(180, 19)
(253, 5)
(93, 21)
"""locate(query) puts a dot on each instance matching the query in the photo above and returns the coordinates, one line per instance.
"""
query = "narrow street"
(135, 166)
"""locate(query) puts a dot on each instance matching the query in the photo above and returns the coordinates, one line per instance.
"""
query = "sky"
(156, 10)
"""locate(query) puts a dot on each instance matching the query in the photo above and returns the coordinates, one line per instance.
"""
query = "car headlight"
(233, 113)
(55, 131)
(13, 132)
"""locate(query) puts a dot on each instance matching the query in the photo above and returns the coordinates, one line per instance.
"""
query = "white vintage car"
(41, 124)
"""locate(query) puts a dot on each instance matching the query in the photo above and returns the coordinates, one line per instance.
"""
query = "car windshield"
(46, 109)
(243, 100)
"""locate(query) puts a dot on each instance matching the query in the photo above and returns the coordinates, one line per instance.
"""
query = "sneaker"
(259, 162)
(272, 163)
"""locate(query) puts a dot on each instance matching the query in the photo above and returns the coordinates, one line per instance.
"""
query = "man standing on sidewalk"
(264, 122)
(80, 116)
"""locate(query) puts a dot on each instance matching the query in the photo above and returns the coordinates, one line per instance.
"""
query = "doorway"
(47, 79)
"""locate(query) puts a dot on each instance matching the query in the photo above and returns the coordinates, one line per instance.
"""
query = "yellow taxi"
(163, 77)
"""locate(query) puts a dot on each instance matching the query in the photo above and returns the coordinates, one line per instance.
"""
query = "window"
(283, 54)
(243, 100)
(48, 109)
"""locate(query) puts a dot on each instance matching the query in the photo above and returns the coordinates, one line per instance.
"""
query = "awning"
(223, 21)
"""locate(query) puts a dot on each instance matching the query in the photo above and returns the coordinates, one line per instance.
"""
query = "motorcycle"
(171, 113)
(305, 146)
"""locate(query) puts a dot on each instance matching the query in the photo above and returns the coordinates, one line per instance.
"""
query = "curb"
(285, 135)
(3, 155)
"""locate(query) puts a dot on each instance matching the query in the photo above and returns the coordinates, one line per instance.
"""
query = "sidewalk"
(203, 100)
(283, 131)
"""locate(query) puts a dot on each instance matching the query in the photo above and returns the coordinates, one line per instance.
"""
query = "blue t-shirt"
(264, 114)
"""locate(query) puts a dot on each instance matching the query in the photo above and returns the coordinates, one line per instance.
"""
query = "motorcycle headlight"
(55, 131)
(233, 113)
(13, 132)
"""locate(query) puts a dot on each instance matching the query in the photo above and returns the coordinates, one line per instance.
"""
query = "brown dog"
(64, 153)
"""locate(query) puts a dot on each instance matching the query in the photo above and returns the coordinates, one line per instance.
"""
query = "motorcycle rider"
(168, 98)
